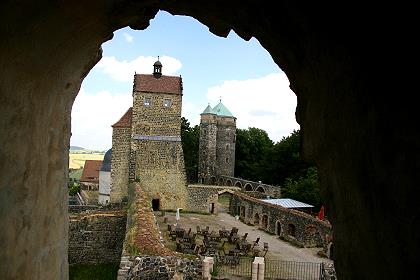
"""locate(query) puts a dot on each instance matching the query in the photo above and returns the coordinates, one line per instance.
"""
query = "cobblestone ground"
(278, 249)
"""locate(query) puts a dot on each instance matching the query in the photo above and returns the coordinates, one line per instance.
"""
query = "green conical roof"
(221, 110)
(208, 110)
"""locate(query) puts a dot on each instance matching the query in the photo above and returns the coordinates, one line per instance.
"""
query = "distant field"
(77, 160)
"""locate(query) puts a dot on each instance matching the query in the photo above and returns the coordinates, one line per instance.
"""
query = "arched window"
(248, 187)
(264, 222)
(256, 219)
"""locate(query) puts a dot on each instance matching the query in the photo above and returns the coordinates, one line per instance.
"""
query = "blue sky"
(241, 73)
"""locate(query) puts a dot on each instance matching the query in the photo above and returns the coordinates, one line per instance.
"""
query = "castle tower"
(156, 154)
(207, 147)
(217, 144)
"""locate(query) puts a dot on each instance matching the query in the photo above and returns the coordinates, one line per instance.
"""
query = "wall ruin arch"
(334, 65)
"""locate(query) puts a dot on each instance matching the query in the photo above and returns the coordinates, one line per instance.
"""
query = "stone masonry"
(295, 226)
(96, 237)
(217, 144)
(147, 142)
(121, 139)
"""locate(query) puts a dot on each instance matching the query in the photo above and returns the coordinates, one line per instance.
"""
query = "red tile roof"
(164, 84)
(125, 120)
(91, 171)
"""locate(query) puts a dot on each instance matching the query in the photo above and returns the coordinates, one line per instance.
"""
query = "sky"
(240, 73)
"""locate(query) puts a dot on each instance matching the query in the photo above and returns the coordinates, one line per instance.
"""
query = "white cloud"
(267, 103)
(128, 37)
(123, 71)
(93, 115)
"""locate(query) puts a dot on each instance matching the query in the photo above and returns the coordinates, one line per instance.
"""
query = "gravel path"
(278, 249)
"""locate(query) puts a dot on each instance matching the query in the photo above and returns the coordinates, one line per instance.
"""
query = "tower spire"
(157, 69)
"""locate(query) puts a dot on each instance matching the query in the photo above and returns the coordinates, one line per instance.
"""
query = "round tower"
(217, 144)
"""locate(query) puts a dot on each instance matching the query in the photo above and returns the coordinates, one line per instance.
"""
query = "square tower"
(155, 156)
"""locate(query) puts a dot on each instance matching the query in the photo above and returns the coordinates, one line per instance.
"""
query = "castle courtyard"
(278, 249)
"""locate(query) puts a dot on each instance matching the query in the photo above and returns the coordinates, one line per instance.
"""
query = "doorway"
(155, 204)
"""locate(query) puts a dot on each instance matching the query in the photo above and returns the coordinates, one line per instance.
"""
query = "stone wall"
(120, 163)
(96, 237)
(201, 197)
(161, 268)
(292, 225)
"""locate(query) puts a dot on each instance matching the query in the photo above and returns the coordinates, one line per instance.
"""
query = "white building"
(105, 179)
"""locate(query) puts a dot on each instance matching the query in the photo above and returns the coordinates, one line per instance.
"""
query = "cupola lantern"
(157, 69)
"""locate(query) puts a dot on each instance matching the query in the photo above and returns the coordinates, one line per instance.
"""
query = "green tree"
(190, 137)
(305, 188)
(73, 188)
(252, 146)
(284, 161)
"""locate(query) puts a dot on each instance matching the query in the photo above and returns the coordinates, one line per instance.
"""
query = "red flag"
(321, 213)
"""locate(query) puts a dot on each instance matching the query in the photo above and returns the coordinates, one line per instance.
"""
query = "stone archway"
(257, 219)
(264, 221)
(238, 184)
(278, 228)
(248, 187)
(260, 189)
(342, 109)
(228, 182)
(213, 180)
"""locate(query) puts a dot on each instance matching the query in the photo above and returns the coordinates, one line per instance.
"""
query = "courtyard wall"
(292, 225)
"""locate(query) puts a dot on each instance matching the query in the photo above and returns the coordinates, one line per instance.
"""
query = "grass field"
(77, 160)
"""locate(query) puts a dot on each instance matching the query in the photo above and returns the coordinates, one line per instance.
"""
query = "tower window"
(147, 101)
(227, 147)
(227, 160)
(167, 103)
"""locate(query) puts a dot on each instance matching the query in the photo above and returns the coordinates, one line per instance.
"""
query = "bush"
(74, 188)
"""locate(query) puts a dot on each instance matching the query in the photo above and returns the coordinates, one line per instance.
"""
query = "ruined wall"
(295, 226)
(225, 147)
(200, 197)
(156, 267)
(159, 161)
(121, 138)
(96, 237)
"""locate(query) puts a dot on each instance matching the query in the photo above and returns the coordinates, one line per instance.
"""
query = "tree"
(284, 161)
(305, 188)
(190, 137)
(252, 145)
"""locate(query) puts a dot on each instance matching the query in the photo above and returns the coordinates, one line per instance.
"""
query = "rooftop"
(219, 110)
(125, 120)
(164, 84)
(288, 203)
(91, 171)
